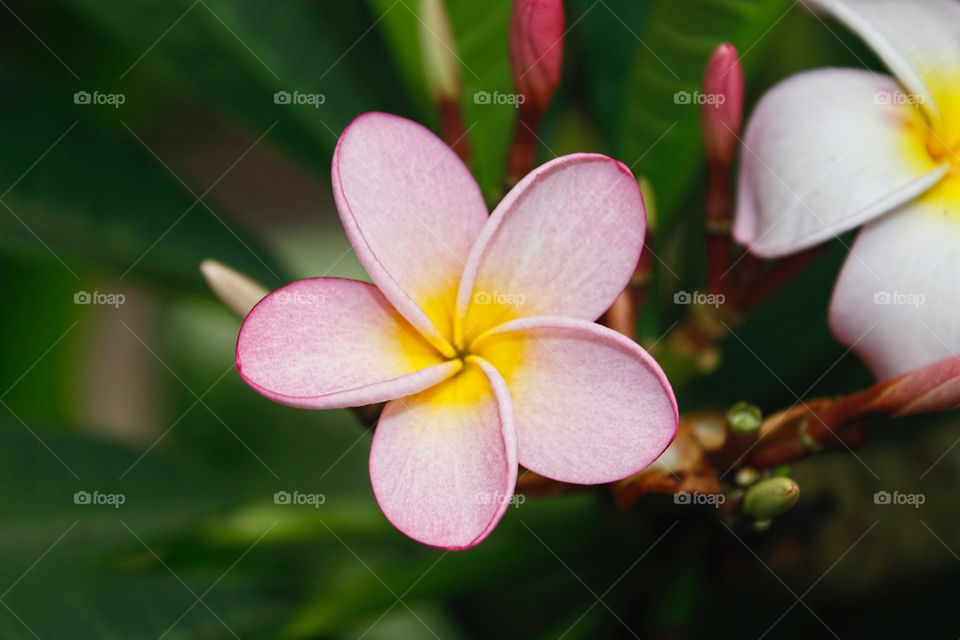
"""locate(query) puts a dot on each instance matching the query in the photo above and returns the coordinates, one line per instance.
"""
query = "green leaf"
(658, 136)
(54, 482)
(236, 54)
(65, 606)
(79, 191)
(481, 32)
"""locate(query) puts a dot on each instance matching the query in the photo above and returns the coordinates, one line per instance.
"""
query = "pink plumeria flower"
(478, 330)
(831, 149)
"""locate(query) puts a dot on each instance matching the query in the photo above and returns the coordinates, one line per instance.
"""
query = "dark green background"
(200, 163)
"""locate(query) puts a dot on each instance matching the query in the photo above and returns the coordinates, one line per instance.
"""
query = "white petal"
(826, 151)
(919, 40)
(897, 298)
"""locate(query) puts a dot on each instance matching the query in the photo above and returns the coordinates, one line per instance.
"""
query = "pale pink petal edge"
(605, 333)
(509, 435)
(508, 205)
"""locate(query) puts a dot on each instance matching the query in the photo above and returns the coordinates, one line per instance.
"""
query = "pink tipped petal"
(412, 211)
(826, 151)
(897, 301)
(919, 40)
(326, 343)
(564, 241)
(443, 463)
(591, 405)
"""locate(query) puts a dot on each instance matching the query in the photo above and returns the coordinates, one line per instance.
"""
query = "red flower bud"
(721, 113)
(536, 50)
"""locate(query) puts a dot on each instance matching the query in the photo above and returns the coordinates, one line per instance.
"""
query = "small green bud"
(747, 476)
(769, 498)
(744, 418)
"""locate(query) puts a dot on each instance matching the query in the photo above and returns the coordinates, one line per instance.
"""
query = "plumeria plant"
(829, 150)
(478, 330)
(418, 318)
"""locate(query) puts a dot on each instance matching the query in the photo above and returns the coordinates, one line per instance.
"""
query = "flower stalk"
(442, 72)
(721, 118)
(536, 61)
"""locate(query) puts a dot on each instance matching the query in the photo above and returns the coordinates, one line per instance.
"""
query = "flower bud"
(234, 289)
(769, 498)
(721, 113)
(744, 418)
(536, 50)
(746, 476)
(440, 64)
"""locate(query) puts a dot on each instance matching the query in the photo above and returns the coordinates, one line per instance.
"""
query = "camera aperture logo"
(695, 497)
(912, 499)
(301, 499)
(97, 98)
(299, 97)
(112, 299)
(698, 297)
(96, 498)
(498, 297)
(513, 99)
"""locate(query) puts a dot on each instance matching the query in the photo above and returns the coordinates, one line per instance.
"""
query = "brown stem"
(451, 123)
(622, 314)
(718, 224)
(828, 422)
(776, 276)
(522, 155)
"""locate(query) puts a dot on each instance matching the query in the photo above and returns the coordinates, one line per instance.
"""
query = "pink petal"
(826, 151)
(919, 41)
(897, 302)
(564, 241)
(412, 211)
(591, 405)
(326, 342)
(444, 462)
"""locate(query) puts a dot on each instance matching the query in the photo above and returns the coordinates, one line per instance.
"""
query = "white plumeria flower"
(831, 149)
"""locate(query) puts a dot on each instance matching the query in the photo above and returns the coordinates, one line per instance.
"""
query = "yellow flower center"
(465, 340)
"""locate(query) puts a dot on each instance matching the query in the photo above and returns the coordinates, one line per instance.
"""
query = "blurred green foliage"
(93, 197)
